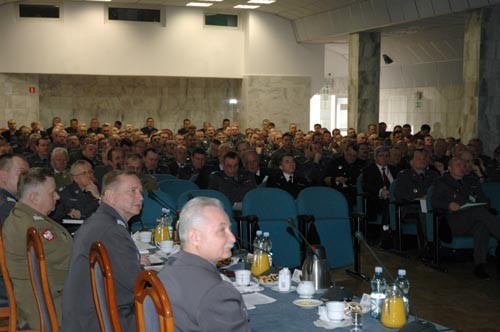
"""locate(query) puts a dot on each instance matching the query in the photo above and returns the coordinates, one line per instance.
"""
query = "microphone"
(152, 195)
(293, 231)
(417, 325)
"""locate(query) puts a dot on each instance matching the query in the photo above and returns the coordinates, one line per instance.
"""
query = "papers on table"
(143, 247)
(155, 259)
(423, 205)
(72, 221)
(468, 205)
(253, 299)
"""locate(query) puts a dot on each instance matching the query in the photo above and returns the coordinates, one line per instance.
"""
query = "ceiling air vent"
(134, 14)
(38, 11)
(221, 20)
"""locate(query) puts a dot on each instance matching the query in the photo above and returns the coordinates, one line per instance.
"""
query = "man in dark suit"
(451, 192)
(286, 178)
(201, 300)
(122, 199)
(179, 161)
(377, 179)
(41, 158)
(149, 129)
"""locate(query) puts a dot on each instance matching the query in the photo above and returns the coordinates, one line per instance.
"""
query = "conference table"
(284, 316)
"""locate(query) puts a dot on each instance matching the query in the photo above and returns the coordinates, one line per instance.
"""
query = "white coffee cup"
(166, 246)
(145, 236)
(335, 310)
(242, 277)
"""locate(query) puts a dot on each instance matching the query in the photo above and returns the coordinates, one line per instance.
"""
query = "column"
(481, 71)
(364, 79)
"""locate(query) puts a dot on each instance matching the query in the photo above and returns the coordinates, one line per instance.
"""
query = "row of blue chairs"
(275, 211)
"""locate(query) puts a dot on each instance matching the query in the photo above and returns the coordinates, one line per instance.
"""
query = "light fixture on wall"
(387, 59)
(233, 101)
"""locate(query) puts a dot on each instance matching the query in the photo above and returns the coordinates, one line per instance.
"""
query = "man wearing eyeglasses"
(79, 199)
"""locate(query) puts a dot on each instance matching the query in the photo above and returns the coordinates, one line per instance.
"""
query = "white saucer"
(308, 303)
(277, 289)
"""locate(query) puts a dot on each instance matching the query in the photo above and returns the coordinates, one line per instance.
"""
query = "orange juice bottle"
(393, 310)
(161, 231)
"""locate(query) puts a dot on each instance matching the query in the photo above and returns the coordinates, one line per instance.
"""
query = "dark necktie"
(387, 183)
(290, 180)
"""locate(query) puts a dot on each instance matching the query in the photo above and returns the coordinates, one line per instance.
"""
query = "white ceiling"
(290, 9)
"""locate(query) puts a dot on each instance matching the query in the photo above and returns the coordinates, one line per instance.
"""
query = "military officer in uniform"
(37, 198)
(11, 166)
(81, 198)
(343, 173)
(411, 186)
(451, 192)
(121, 200)
(59, 162)
(232, 181)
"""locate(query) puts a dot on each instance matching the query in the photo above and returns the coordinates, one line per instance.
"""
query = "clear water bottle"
(404, 284)
(257, 242)
(267, 245)
(377, 295)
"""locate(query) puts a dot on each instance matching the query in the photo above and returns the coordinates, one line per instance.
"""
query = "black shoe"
(480, 272)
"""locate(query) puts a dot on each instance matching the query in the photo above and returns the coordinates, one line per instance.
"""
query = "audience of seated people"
(229, 159)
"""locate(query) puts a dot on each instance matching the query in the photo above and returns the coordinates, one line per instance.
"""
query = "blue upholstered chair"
(154, 201)
(457, 242)
(331, 217)
(175, 187)
(186, 196)
(161, 177)
(274, 208)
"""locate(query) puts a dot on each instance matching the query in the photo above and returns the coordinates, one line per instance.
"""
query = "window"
(330, 111)
(221, 20)
(134, 14)
(39, 11)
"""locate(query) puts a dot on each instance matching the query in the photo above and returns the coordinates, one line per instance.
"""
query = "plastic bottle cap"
(402, 272)
(266, 234)
(378, 269)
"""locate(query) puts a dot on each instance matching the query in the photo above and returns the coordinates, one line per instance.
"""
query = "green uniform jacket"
(56, 243)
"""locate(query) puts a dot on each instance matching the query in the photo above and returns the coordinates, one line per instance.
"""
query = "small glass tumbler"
(356, 320)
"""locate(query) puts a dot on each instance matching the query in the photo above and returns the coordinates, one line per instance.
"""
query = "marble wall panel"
(282, 99)
(15, 99)
(132, 99)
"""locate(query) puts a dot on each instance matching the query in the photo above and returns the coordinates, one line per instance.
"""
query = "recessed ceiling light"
(246, 6)
(199, 4)
(263, 2)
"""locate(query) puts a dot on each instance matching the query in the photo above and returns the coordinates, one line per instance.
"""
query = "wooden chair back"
(39, 282)
(148, 285)
(103, 288)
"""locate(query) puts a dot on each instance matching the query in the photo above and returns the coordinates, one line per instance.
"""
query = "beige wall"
(440, 107)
